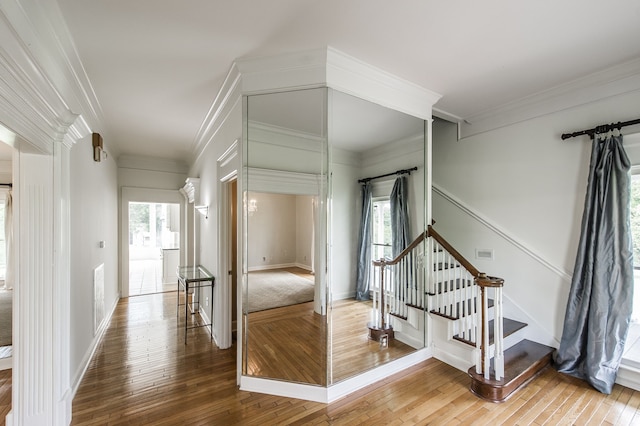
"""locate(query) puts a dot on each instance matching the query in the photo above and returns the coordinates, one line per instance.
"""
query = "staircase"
(435, 277)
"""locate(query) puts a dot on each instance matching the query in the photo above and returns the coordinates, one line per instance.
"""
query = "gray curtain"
(400, 233)
(8, 238)
(601, 295)
(364, 246)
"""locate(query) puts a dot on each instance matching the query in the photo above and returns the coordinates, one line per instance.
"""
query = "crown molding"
(224, 102)
(191, 189)
(154, 164)
(332, 68)
(613, 81)
(31, 104)
(324, 67)
(355, 77)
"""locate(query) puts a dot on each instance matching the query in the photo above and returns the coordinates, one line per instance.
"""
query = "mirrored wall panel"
(331, 184)
(371, 324)
(284, 260)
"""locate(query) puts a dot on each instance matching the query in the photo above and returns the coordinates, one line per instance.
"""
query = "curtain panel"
(363, 271)
(601, 295)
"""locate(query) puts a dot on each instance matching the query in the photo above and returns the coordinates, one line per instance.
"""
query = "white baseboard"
(303, 266)
(447, 357)
(339, 390)
(269, 267)
(343, 296)
(629, 376)
(86, 360)
(6, 363)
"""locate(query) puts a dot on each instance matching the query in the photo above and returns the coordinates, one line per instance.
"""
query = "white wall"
(272, 231)
(205, 167)
(149, 172)
(304, 231)
(345, 219)
(523, 188)
(94, 218)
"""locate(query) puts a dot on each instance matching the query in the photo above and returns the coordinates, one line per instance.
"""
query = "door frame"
(227, 171)
(142, 195)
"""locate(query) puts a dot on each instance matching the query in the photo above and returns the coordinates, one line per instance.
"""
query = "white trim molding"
(617, 80)
(338, 390)
(329, 67)
(280, 182)
(502, 233)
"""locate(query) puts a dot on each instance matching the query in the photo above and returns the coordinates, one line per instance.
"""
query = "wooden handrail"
(486, 281)
(457, 256)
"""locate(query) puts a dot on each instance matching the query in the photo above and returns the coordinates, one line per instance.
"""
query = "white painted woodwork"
(227, 170)
(318, 68)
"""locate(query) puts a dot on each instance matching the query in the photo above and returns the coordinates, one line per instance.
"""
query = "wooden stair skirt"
(522, 362)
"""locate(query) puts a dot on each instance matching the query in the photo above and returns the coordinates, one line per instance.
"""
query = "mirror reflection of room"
(284, 301)
(364, 140)
(6, 250)
(369, 144)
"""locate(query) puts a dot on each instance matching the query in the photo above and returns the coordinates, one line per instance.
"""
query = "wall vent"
(484, 254)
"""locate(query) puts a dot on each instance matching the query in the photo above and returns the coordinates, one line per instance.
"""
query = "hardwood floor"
(290, 343)
(5, 394)
(144, 374)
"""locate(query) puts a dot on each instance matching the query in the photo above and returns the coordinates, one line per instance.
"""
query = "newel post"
(483, 281)
(385, 330)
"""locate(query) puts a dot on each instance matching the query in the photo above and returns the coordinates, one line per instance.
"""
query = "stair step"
(456, 317)
(509, 326)
(522, 362)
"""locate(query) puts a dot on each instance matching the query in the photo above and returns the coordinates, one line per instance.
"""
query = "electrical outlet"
(206, 301)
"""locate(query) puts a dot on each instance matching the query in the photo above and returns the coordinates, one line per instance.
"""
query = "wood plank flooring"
(5, 394)
(290, 343)
(144, 374)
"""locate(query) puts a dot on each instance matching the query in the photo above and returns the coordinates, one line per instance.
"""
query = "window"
(380, 235)
(635, 232)
(3, 248)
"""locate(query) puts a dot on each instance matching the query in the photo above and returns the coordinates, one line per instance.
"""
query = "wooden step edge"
(398, 316)
(434, 312)
(509, 326)
(523, 362)
(411, 305)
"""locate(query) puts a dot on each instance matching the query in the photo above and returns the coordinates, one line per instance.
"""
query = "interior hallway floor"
(142, 373)
(145, 277)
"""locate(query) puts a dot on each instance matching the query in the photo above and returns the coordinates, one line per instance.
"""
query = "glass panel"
(368, 140)
(284, 222)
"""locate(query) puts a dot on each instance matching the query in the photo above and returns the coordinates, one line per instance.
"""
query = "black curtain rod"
(604, 128)
(398, 172)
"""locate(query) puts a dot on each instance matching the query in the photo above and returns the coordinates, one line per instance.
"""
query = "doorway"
(154, 247)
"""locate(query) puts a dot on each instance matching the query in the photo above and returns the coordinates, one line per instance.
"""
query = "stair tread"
(518, 360)
(509, 327)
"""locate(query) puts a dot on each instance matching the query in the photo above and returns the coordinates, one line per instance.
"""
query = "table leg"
(186, 309)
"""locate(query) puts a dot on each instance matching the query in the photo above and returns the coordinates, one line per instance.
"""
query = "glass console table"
(190, 280)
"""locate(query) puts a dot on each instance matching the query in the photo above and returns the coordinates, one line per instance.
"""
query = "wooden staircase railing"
(451, 286)
(401, 285)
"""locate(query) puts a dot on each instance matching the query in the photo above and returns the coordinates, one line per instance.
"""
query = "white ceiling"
(156, 65)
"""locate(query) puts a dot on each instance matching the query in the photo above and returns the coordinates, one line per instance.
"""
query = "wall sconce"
(98, 151)
(253, 206)
(204, 211)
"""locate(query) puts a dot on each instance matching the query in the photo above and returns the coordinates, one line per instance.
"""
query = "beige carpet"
(273, 289)
(5, 317)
